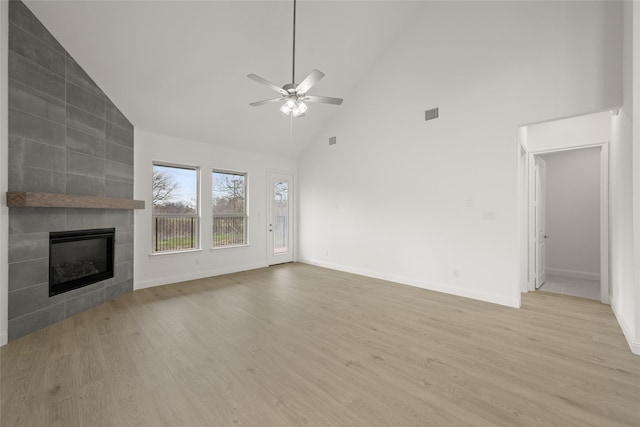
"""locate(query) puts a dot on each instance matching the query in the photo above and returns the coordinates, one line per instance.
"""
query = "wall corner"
(635, 136)
(4, 144)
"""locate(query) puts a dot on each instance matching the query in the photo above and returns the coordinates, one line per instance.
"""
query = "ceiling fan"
(295, 95)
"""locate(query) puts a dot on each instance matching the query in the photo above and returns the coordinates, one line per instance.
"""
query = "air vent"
(431, 114)
(332, 140)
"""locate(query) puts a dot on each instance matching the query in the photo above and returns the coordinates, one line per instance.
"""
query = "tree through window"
(175, 208)
(229, 208)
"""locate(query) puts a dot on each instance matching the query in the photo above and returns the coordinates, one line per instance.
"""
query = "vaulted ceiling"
(179, 67)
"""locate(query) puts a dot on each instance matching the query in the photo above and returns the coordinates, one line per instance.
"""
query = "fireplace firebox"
(79, 258)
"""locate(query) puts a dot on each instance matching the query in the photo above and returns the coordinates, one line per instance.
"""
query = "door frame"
(271, 173)
(529, 184)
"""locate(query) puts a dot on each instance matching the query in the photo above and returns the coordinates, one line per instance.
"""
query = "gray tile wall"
(65, 136)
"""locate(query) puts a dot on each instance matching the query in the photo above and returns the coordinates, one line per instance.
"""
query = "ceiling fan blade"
(308, 82)
(267, 83)
(323, 99)
(266, 101)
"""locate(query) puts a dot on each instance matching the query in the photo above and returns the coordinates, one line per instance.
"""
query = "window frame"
(246, 209)
(197, 214)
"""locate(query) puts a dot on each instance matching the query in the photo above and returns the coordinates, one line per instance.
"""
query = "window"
(175, 208)
(229, 208)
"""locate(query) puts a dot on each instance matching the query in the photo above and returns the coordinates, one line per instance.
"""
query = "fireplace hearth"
(79, 258)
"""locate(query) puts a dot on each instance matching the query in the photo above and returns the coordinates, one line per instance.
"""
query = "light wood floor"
(296, 345)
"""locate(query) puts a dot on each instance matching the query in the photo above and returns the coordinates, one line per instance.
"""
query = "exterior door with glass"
(280, 219)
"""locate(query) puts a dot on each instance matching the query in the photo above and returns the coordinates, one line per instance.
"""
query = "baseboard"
(573, 273)
(143, 284)
(634, 344)
(432, 286)
(4, 338)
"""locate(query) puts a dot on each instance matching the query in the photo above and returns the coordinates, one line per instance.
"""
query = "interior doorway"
(567, 220)
(539, 234)
(542, 140)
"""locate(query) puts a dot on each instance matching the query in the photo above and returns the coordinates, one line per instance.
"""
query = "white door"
(540, 220)
(280, 219)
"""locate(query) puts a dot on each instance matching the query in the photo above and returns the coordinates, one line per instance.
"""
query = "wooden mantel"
(57, 200)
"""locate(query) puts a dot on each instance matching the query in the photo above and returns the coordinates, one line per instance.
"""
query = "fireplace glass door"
(79, 258)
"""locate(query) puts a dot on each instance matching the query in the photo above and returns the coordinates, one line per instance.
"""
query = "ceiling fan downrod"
(293, 63)
(295, 95)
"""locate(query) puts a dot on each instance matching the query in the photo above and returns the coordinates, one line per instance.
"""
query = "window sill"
(186, 251)
(218, 248)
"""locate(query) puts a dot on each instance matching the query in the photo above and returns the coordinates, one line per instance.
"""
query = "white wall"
(573, 213)
(621, 222)
(635, 88)
(411, 201)
(152, 270)
(623, 190)
(4, 186)
(625, 186)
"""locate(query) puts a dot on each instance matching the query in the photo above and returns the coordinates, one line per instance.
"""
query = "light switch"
(489, 216)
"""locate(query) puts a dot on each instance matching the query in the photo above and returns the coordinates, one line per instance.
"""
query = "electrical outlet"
(456, 274)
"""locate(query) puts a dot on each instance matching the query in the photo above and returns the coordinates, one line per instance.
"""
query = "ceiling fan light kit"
(294, 96)
(295, 107)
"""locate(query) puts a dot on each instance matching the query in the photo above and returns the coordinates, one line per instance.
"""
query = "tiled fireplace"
(66, 137)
